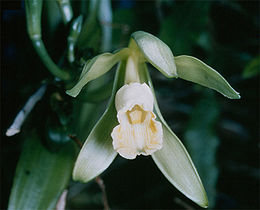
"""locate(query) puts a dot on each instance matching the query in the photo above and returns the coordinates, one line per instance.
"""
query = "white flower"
(138, 132)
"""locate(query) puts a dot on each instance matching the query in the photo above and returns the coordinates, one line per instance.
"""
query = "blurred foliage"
(181, 31)
(41, 176)
(224, 34)
(252, 69)
(202, 142)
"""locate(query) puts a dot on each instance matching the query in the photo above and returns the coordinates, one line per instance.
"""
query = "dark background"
(225, 35)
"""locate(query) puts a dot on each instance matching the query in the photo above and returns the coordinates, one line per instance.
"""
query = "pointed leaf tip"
(96, 67)
(175, 163)
(194, 70)
(156, 52)
(97, 152)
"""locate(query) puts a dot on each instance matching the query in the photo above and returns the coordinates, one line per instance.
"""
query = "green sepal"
(96, 67)
(174, 161)
(194, 70)
(97, 152)
(41, 175)
(156, 52)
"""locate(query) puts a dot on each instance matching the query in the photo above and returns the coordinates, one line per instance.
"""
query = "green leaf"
(194, 70)
(97, 152)
(41, 175)
(156, 52)
(174, 161)
(96, 67)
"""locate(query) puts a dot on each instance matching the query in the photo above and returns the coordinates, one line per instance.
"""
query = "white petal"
(134, 93)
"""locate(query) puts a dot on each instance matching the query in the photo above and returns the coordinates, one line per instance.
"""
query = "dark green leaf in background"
(202, 142)
(181, 29)
(41, 175)
(252, 69)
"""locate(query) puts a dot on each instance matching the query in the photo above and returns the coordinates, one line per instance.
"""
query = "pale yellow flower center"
(136, 115)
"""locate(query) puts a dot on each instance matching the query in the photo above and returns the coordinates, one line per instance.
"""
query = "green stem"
(50, 65)
(66, 10)
(33, 19)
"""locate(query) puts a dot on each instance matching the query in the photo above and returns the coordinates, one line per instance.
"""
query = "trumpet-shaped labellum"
(138, 131)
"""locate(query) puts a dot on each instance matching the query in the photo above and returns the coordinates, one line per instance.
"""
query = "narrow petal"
(176, 165)
(194, 70)
(97, 152)
(174, 161)
(156, 52)
(96, 67)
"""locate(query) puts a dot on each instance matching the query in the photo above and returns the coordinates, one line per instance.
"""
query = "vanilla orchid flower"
(132, 124)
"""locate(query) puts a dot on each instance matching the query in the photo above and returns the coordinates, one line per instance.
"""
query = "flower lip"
(138, 133)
